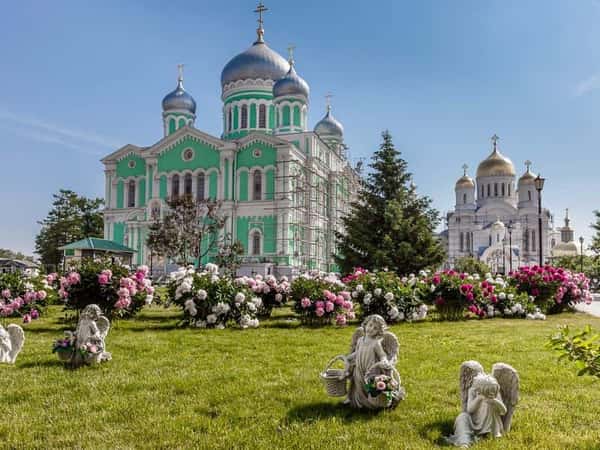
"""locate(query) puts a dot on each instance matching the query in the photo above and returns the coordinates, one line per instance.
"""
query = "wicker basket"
(334, 380)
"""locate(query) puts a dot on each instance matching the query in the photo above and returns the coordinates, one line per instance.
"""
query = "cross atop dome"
(495, 140)
(290, 50)
(180, 72)
(464, 168)
(328, 101)
(260, 9)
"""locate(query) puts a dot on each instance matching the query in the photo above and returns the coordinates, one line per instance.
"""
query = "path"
(593, 308)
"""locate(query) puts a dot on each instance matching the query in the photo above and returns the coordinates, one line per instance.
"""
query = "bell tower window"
(262, 116)
(244, 117)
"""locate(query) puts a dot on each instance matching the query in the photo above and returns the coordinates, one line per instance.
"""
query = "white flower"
(190, 307)
(245, 321)
(214, 278)
(476, 276)
(389, 296)
(240, 297)
(360, 288)
(432, 288)
(252, 307)
(202, 294)
(470, 278)
(393, 313)
(490, 311)
(377, 292)
(354, 294)
(28, 286)
(257, 301)
(278, 298)
(211, 268)
(367, 299)
(211, 318)
(412, 275)
(200, 324)
(488, 275)
(404, 279)
(412, 281)
(400, 316)
(149, 299)
(501, 295)
(422, 273)
(511, 296)
(220, 326)
(221, 308)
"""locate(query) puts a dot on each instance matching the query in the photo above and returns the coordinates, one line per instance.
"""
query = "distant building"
(567, 245)
(495, 218)
(92, 247)
(8, 265)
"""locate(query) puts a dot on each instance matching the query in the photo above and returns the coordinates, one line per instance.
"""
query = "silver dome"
(328, 126)
(291, 84)
(258, 62)
(179, 99)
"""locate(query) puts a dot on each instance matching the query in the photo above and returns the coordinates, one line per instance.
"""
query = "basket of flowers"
(64, 348)
(334, 380)
(382, 388)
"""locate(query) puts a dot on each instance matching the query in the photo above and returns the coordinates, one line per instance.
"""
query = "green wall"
(245, 157)
(213, 182)
(243, 186)
(124, 171)
(226, 179)
(142, 193)
(268, 227)
(162, 187)
(270, 187)
(118, 232)
(205, 156)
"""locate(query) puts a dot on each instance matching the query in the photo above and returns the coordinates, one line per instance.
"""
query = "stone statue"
(488, 402)
(89, 336)
(11, 342)
(374, 381)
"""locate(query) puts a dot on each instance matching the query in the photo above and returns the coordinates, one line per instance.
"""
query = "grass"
(230, 389)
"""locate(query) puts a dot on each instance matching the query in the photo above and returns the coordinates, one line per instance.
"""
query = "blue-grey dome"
(258, 62)
(291, 84)
(328, 126)
(179, 100)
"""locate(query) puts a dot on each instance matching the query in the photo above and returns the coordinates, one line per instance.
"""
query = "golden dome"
(565, 249)
(528, 177)
(465, 182)
(496, 165)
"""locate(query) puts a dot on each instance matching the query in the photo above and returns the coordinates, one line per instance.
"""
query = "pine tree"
(72, 217)
(390, 225)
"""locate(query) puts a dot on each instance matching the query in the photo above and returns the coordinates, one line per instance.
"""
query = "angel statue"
(488, 402)
(374, 381)
(11, 343)
(89, 337)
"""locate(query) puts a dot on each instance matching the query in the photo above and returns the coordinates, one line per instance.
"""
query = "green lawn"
(189, 388)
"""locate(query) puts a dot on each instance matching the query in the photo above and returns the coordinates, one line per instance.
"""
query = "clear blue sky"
(79, 79)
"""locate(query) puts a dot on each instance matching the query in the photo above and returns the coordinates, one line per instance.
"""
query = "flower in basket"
(381, 385)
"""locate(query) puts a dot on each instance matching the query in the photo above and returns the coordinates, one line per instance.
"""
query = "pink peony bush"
(23, 295)
(273, 293)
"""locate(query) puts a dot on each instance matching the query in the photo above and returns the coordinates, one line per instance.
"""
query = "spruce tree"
(595, 246)
(390, 225)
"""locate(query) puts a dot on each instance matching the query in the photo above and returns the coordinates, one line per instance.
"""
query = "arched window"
(503, 190)
(181, 123)
(229, 119)
(262, 116)
(526, 240)
(528, 195)
(187, 184)
(553, 243)
(131, 194)
(488, 190)
(175, 186)
(465, 199)
(468, 248)
(256, 243)
(285, 121)
(244, 116)
(509, 185)
(172, 125)
(533, 240)
(200, 187)
(257, 185)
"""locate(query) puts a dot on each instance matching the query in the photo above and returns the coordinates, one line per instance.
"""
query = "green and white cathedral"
(283, 188)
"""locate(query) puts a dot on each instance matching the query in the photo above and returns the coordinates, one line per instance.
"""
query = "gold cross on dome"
(528, 165)
(495, 140)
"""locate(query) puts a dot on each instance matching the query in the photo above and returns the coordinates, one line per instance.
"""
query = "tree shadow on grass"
(429, 431)
(313, 412)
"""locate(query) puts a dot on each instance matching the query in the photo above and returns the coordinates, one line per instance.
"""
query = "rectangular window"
(503, 190)
(509, 185)
(200, 187)
(244, 116)
(488, 190)
(495, 189)
(131, 194)
(533, 240)
(262, 116)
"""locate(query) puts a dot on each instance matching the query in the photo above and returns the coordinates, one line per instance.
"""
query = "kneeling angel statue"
(488, 402)
(374, 380)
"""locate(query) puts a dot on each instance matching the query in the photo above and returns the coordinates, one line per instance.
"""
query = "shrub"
(211, 301)
(23, 295)
(386, 294)
(582, 347)
(273, 293)
(321, 298)
(468, 264)
(113, 287)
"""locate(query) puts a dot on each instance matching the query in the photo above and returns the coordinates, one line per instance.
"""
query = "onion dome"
(328, 126)
(291, 84)
(528, 177)
(179, 99)
(496, 164)
(465, 181)
(258, 62)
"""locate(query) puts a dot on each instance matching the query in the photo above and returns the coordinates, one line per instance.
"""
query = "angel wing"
(103, 325)
(508, 379)
(360, 332)
(468, 371)
(390, 346)
(17, 339)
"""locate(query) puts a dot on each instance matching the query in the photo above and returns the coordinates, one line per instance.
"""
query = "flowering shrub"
(116, 290)
(23, 295)
(553, 288)
(211, 301)
(273, 293)
(321, 298)
(386, 294)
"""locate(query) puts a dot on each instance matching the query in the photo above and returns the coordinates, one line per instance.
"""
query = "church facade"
(282, 186)
(495, 218)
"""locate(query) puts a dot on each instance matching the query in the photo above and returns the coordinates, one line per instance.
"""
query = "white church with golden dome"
(495, 218)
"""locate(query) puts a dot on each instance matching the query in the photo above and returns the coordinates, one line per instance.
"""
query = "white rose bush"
(212, 301)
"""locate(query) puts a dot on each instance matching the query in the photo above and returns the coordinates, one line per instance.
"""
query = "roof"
(17, 262)
(92, 243)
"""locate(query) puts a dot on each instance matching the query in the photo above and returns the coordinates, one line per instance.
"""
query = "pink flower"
(470, 296)
(347, 306)
(35, 314)
(144, 269)
(62, 293)
(329, 307)
(51, 278)
(93, 349)
(26, 318)
(41, 295)
(340, 319)
(6, 293)
(439, 301)
(29, 296)
(436, 279)
(103, 279)
(319, 312)
(108, 273)
(123, 292)
(381, 386)
(345, 294)
(140, 276)
(339, 300)
(319, 304)
(73, 278)
(305, 302)
(350, 315)
(150, 290)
